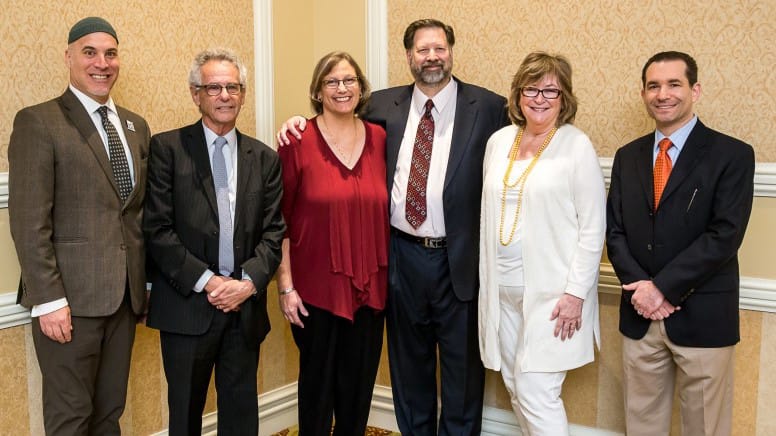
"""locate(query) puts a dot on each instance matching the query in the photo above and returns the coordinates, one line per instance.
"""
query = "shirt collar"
(441, 99)
(90, 104)
(210, 136)
(679, 137)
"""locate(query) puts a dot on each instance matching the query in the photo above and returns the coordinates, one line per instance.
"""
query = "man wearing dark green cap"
(77, 176)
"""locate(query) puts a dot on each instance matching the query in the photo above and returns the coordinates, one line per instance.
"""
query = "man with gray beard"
(436, 129)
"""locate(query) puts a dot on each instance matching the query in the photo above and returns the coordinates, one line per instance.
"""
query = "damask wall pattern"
(607, 43)
(157, 42)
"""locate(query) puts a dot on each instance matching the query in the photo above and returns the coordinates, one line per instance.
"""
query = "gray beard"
(432, 77)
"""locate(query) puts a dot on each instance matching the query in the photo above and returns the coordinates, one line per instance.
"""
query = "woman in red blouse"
(333, 278)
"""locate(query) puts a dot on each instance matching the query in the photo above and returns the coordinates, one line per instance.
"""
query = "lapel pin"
(130, 126)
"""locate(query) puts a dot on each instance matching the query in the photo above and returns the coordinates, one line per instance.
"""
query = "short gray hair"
(216, 54)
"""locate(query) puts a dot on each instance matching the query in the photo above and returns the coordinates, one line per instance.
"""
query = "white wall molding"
(764, 176)
(3, 190)
(377, 43)
(755, 294)
(263, 67)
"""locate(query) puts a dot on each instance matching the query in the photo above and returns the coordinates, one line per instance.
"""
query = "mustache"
(428, 64)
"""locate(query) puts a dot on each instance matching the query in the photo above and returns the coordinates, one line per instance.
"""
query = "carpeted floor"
(370, 431)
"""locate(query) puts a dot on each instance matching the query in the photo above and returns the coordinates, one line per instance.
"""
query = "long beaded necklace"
(513, 152)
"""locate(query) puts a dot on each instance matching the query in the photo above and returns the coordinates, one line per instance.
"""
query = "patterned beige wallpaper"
(157, 42)
(607, 43)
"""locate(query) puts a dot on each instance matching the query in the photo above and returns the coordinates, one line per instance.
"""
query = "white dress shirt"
(444, 117)
(230, 158)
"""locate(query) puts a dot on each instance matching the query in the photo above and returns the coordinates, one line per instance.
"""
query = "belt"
(426, 242)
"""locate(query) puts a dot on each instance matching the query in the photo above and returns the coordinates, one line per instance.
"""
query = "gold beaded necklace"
(513, 152)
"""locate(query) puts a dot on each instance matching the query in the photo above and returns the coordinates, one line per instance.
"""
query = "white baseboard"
(498, 422)
(278, 411)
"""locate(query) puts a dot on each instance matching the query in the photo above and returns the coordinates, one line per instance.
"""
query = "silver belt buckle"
(433, 242)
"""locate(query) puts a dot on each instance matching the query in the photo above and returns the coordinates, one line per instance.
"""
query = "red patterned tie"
(662, 168)
(415, 208)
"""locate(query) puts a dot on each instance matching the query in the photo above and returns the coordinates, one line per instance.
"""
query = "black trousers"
(424, 317)
(85, 380)
(338, 363)
(188, 363)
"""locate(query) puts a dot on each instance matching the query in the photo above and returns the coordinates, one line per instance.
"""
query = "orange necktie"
(662, 168)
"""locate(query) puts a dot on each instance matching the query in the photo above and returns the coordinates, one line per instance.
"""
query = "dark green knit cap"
(90, 25)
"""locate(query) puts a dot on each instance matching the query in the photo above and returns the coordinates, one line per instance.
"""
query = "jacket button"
(123, 247)
(649, 247)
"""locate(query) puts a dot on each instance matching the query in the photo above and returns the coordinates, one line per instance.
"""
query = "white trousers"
(535, 396)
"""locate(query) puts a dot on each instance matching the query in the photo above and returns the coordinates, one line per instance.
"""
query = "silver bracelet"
(286, 291)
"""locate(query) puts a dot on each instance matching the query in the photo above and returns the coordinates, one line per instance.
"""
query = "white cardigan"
(563, 223)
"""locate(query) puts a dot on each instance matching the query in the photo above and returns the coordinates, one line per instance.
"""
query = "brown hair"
(324, 67)
(535, 66)
(691, 67)
(409, 33)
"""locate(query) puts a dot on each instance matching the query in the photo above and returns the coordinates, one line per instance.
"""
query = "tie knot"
(103, 111)
(429, 105)
(220, 142)
(664, 144)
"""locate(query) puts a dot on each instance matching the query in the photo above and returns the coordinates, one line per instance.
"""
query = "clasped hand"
(648, 301)
(227, 294)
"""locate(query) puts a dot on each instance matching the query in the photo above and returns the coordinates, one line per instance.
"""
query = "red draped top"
(337, 222)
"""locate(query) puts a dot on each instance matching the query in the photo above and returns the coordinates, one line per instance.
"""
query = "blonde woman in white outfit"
(542, 233)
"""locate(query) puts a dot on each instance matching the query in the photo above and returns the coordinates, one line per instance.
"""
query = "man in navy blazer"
(676, 255)
(433, 282)
(209, 299)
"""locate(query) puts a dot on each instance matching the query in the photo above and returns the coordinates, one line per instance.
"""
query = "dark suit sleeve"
(31, 183)
(731, 207)
(626, 266)
(261, 267)
(163, 244)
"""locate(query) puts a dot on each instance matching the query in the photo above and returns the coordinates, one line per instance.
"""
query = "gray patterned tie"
(118, 160)
(221, 181)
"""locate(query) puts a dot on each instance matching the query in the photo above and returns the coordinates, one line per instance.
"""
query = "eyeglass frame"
(540, 91)
(335, 83)
(207, 87)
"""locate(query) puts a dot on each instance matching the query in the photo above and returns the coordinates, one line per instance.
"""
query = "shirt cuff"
(46, 308)
(203, 279)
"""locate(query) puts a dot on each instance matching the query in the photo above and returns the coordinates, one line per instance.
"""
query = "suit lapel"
(466, 109)
(693, 151)
(82, 121)
(194, 141)
(644, 169)
(245, 170)
(395, 125)
(134, 150)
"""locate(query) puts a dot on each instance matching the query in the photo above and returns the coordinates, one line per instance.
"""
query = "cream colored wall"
(607, 44)
(156, 48)
(304, 31)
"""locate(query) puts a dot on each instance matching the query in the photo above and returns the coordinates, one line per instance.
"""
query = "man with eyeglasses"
(77, 182)
(678, 208)
(435, 189)
(214, 229)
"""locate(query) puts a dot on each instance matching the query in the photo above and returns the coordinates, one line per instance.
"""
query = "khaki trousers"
(703, 377)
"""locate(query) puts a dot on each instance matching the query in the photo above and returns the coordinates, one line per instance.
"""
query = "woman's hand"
(568, 313)
(291, 305)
